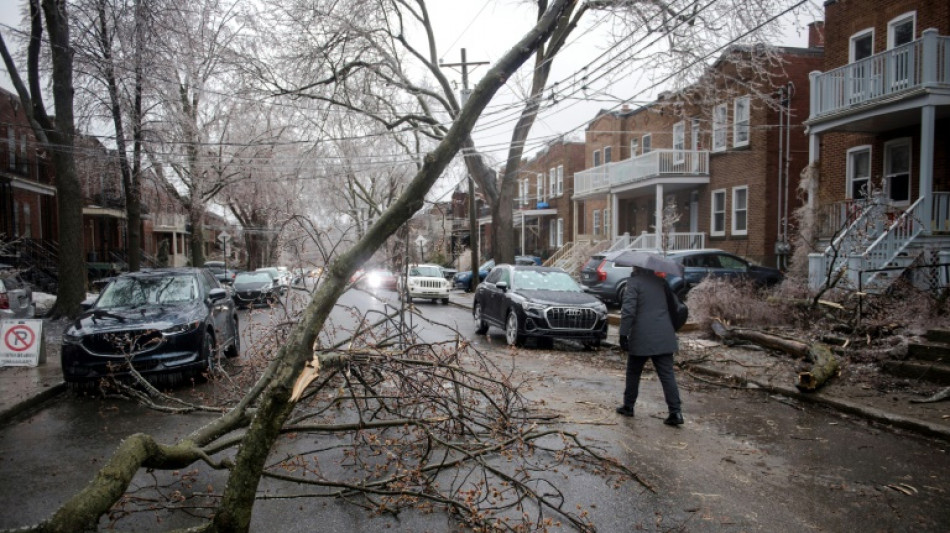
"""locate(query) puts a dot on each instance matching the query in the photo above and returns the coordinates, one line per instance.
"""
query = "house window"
(27, 222)
(596, 158)
(900, 30)
(11, 143)
(634, 147)
(862, 45)
(897, 170)
(694, 143)
(679, 142)
(607, 222)
(560, 180)
(596, 228)
(740, 211)
(552, 233)
(647, 143)
(718, 209)
(740, 128)
(524, 191)
(719, 128)
(608, 152)
(560, 232)
(552, 182)
(540, 187)
(859, 172)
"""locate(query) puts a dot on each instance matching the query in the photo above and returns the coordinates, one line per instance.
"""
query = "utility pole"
(472, 213)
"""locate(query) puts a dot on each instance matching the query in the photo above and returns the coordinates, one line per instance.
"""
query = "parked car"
(463, 278)
(256, 288)
(169, 324)
(222, 274)
(538, 302)
(604, 279)
(279, 278)
(16, 295)
(424, 281)
(380, 279)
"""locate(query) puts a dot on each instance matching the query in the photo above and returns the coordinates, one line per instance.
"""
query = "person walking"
(646, 332)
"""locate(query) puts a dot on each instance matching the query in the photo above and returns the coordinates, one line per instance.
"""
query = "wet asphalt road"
(744, 461)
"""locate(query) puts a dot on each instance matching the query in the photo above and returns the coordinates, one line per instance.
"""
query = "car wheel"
(208, 353)
(620, 292)
(481, 327)
(445, 301)
(592, 345)
(546, 343)
(235, 349)
(512, 335)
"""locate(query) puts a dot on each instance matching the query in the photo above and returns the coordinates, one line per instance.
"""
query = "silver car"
(16, 295)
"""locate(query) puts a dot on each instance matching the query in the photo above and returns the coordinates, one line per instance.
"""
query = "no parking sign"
(20, 342)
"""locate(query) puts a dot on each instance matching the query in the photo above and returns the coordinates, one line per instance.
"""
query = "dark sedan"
(168, 324)
(543, 303)
(463, 279)
(256, 288)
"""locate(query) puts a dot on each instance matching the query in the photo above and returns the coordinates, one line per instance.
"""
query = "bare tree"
(57, 134)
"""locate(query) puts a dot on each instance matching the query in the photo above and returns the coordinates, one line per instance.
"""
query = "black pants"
(663, 364)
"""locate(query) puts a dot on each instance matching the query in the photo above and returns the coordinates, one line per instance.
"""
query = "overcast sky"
(486, 29)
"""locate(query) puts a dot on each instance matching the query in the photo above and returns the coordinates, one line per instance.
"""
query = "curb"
(845, 406)
(15, 410)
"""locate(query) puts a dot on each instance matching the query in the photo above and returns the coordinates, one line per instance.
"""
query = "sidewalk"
(24, 387)
(748, 367)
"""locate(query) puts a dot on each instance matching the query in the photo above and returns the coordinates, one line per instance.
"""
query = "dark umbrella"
(647, 260)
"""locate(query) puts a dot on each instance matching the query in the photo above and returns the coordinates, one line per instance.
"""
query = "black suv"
(165, 323)
(539, 302)
(602, 278)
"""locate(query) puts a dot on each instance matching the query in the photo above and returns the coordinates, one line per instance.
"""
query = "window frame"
(736, 230)
(713, 212)
(910, 16)
(552, 182)
(855, 37)
(595, 223)
(720, 127)
(608, 154)
(887, 173)
(560, 232)
(849, 170)
(646, 143)
(605, 214)
(540, 187)
(634, 147)
(679, 142)
(552, 236)
(560, 180)
(744, 125)
(597, 160)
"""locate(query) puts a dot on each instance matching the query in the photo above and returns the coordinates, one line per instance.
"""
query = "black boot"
(625, 410)
(675, 419)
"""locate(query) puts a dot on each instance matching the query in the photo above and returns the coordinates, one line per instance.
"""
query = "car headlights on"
(182, 328)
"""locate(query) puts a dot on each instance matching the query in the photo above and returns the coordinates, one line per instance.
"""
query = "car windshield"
(215, 269)
(252, 277)
(425, 272)
(545, 280)
(148, 290)
(272, 272)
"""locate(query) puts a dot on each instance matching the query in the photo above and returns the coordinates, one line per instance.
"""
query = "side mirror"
(217, 294)
(502, 286)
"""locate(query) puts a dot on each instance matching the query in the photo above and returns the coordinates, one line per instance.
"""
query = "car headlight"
(534, 308)
(72, 337)
(601, 308)
(182, 328)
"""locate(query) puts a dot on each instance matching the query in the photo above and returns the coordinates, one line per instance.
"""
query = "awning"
(96, 211)
(32, 186)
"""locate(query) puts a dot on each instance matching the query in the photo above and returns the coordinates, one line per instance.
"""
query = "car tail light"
(4, 301)
(601, 273)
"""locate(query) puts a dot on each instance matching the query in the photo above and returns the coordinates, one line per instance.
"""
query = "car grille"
(249, 295)
(429, 283)
(124, 342)
(571, 318)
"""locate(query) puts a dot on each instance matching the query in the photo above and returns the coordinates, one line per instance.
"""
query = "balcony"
(169, 222)
(655, 164)
(896, 74)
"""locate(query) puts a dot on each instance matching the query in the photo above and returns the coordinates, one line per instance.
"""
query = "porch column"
(614, 217)
(659, 216)
(814, 153)
(174, 257)
(927, 118)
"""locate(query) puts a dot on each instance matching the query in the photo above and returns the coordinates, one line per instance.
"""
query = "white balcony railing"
(924, 63)
(649, 165)
(170, 221)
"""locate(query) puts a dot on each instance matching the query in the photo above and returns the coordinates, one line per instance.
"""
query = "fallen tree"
(824, 363)
(425, 401)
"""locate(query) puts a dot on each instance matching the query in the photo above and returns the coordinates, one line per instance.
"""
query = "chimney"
(816, 34)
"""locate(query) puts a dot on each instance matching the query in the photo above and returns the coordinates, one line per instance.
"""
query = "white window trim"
(634, 147)
(596, 158)
(560, 232)
(735, 209)
(679, 138)
(608, 154)
(606, 217)
(712, 213)
(552, 233)
(912, 15)
(849, 172)
(596, 222)
(736, 123)
(855, 36)
(718, 126)
(540, 187)
(560, 180)
(910, 167)
(647, 141)
(552, 182)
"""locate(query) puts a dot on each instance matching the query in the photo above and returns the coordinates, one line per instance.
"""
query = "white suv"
(424, 281)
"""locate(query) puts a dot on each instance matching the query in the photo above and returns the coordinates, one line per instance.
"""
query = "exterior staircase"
(928, 360)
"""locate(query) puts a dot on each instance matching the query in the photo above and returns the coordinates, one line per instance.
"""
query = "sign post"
(21, 343)
(224, 238)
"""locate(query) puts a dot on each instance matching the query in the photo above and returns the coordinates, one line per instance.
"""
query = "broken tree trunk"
(824, 363)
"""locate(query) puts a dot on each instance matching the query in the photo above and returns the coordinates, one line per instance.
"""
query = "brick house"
(544, 210)
(714, 160)
(878, 138)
